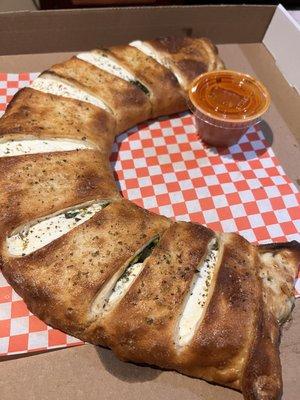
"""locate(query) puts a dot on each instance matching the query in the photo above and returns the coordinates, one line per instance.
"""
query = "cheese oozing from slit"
(60, 87)
(34, 146)
(117, 287)
(123, 284)
(32, 238)
(106, 63)
(197, 295)
(102, 61)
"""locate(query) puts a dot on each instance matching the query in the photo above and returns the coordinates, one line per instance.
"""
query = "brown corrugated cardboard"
(94, 373)
(91, 373)
(283, 41)
(72, 30)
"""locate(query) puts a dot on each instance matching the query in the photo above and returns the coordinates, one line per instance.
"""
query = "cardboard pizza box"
(250, 39)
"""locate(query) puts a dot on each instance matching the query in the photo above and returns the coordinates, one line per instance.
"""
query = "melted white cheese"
(118, 285)
(39, 235)
(197, 297)
(115, 288)
(107, 64)
(123, 284)
(34, 146)
(60, 87)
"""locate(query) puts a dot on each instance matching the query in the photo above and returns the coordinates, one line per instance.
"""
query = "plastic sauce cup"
(225, 104)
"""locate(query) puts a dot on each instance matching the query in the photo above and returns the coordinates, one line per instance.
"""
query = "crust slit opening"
(56, 85)
(117, 287)
(150, 52)
(109, 64)
(18, 147)
(198, 296)
(29, 238)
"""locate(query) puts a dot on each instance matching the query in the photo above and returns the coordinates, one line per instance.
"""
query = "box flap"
(74, 30)
(282, 39)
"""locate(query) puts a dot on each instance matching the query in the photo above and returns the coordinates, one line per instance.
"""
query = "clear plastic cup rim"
(251, 120)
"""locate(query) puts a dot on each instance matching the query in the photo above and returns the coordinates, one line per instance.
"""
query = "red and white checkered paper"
(163, 166)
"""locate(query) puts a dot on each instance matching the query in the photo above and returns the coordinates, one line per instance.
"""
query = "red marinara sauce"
(225, 104)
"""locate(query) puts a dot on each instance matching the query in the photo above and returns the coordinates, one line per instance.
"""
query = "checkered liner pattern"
(163, 166)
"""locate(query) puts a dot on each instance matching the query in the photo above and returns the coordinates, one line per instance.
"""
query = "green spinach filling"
(145, 253)
(74, 213)
(139, 258)
(140, 86)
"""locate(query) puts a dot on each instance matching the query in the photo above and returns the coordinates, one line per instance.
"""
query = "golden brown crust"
(44, 115)
(236, 342)
(60, 290)
(187, 57)
(36, 185)
(154, 302)
(219, 348)
(262, 378)
(165, 93)
(129, 103)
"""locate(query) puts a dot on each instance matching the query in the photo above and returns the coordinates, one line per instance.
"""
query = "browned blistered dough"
(165, 93)
(187, 57)
(129, 104)
(236, 341)
(233, 304)
(47, 116)
(74, 267)
(154, 302)
(36, 185)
